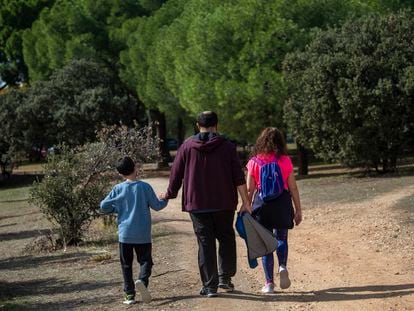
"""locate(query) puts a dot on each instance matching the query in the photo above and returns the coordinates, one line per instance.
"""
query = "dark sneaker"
(208, 292)
(129, 299)
(226, 286)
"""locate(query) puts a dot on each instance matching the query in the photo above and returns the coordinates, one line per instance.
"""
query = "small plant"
(77, 179)
(101, 257)
(44, 243)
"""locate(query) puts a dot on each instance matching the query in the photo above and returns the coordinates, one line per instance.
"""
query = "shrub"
(77, 179)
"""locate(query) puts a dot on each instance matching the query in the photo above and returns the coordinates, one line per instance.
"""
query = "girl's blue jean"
(281, 251)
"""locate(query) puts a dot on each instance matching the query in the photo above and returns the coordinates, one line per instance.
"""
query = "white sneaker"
(284, 277)
(268, 288)
(143, 290)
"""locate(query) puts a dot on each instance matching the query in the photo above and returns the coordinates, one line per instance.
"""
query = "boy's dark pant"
(208, 227)
(144, 258)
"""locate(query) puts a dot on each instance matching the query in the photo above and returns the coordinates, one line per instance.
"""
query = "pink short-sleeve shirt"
(284, 162)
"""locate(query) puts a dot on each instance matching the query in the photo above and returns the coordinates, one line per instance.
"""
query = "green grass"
(14, 305)
(10, 195)
(11, 306)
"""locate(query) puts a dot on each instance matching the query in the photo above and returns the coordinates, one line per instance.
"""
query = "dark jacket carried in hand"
(208, 167)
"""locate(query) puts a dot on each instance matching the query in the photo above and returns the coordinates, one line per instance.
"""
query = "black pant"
(208, 227)
(144, 258)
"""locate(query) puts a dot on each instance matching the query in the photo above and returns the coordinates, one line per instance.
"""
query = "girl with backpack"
(272, 187)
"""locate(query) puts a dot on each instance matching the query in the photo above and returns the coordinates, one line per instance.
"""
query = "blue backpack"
(271, 180)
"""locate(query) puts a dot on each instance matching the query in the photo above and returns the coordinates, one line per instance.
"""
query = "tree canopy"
(80, 29)
(15, 17)
(176, 57)
(353, 89)
(68, 108)
(224, 56)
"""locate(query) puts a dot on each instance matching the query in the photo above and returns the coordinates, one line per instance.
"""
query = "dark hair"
(207, 119)
(270, 140)
(125, 166)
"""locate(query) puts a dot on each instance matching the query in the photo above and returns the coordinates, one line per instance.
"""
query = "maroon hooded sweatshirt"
(208, 167)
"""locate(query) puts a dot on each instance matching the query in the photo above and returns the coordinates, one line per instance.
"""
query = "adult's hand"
(246, 207)
(298, 217)
(242, 189)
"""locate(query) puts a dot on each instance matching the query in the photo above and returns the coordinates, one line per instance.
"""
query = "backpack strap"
(261, 162)
(258, 161)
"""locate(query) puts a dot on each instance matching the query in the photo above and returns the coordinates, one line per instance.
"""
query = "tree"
(224, 56)
(352, 91)
(10, 134)
(76, 180)
(77, 29)
(85, 29)
(227, 56)
(69, 108)
(141, 68)
(166, 65)
(15, 17)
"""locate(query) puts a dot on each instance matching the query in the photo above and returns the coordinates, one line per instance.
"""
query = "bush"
(352, 91)
(77, 179)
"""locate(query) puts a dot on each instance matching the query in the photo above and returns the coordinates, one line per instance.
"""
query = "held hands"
(298, 217)
(246, 207)
(162, 196)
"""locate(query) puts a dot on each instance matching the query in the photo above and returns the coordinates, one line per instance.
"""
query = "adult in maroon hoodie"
(209, 169)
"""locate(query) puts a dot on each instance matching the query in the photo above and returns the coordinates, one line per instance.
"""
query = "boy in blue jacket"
(131, 200)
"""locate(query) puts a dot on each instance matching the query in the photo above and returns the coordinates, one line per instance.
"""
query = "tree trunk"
(180, 131)
(393, 163)
(389, 164)
(39, 153)
(303, 159)
(157, 118)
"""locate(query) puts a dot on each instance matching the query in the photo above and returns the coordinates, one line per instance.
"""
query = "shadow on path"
(163, 220)
(330, 294)
(7, 236)
(8, 225)
(27, 262)
(19, 180)
(166, 233)
(51, 286)
(19, 215)
(16, 200)
(317, 173)
(167, 272)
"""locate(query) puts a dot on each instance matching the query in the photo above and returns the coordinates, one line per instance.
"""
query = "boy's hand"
(162, 196)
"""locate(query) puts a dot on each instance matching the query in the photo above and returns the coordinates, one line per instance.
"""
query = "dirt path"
(355, 256)
(354, 251)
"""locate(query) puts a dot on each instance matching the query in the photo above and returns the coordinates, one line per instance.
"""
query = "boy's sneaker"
(129, 299)
(268, 288)
(208, 292)
(226, 286)
(284, 277)
(143, 290)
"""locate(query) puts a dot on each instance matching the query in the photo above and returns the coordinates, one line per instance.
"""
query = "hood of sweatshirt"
(206, 141)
